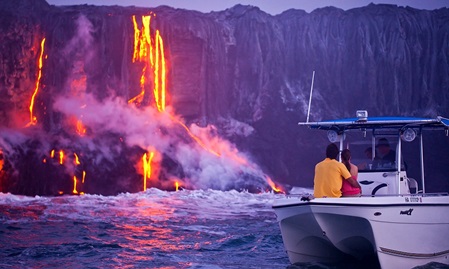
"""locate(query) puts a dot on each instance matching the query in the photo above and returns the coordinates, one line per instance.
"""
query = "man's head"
(369, 153)
(383, 146)
(332, 151)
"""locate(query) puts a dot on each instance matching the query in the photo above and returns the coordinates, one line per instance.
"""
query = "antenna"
(310, 98)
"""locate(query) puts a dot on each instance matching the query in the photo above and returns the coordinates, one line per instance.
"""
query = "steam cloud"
(150, 129)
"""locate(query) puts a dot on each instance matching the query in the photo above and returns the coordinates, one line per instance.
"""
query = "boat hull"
(402, 232)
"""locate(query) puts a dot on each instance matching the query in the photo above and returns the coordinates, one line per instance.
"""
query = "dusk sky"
(270, 6)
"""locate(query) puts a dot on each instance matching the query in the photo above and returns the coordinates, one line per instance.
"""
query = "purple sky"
(270, 6)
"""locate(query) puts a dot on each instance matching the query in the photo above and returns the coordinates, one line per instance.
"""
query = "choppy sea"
(152, 229)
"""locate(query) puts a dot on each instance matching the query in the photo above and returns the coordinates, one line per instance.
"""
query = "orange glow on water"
(146, 163)
(33, 119)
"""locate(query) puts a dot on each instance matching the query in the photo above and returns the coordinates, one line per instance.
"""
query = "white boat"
(394, 221)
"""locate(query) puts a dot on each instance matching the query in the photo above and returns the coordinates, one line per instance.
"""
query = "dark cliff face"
(242, 70)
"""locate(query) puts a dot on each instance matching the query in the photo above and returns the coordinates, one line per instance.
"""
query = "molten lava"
(1, 160)
(136, 39)
(151, 54)
(77, 160)
(33, 119)
(61, 157)
(195, 138)
(273, 186)
(74, 185)
(159, 74)
(146, 164)
(80, 129)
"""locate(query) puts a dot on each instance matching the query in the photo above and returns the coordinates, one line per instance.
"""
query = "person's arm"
(353, 183)
(354, 171)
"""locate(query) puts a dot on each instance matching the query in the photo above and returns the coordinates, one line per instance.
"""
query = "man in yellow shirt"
(329, 175)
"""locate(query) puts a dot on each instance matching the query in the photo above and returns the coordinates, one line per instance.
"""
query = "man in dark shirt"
(387, 156)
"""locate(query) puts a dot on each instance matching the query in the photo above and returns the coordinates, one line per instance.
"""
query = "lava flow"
(33, 119)
(159, 73)
(146, 164)
(151, 53)
(61, 157)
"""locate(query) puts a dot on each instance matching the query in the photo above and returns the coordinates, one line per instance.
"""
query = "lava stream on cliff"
(33, 118)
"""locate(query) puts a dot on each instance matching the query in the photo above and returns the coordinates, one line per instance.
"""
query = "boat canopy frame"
(399, 125)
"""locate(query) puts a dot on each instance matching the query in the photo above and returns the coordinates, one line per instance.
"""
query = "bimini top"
(363, 123)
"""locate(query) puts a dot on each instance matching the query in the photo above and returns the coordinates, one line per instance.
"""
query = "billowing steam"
(214, 164)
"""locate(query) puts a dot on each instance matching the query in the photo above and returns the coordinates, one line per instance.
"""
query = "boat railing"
(308, 197)
(407, 195)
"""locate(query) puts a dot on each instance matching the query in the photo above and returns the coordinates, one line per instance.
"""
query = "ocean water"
(152, 229)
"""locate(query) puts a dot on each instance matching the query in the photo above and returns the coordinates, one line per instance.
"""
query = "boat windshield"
(381, 157)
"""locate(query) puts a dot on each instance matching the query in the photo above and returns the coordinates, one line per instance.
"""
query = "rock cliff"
(241, 70)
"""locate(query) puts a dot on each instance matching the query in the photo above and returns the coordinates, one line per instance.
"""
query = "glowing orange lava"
(151, 54)
(176, 185)
(1, 160)
(273, 185)
(136, 39)
(33, 119)
(61, 157)
(216, 144)
(159, 74)
(74, 185)
(142, 41)
(195, 138)
(77, 160)
(146, 163)
(80, 129)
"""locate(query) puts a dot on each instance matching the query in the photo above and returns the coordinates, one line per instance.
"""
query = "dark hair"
(345, 157)
(332, 151)
(383, 142)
